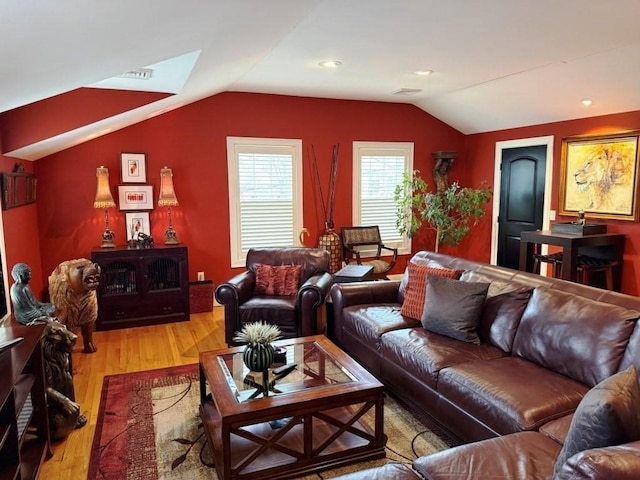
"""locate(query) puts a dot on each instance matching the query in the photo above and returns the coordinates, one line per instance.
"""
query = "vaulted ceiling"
(495, 64)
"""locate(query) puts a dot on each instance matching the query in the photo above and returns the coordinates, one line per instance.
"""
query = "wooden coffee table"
(327, 412)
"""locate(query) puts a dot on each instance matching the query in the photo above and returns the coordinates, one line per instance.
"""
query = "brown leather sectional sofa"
(544, 344)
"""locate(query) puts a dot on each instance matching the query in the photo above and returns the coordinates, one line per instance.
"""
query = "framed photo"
(137, 222)
(135, 197)
(133, 167)
(599, 176)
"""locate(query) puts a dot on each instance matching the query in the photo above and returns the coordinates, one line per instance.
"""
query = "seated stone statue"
(64, 413)
(26, 307)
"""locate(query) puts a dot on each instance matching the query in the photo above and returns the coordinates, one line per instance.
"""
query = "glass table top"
(296, 367)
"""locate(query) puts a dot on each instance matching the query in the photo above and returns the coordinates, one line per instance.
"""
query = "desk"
(610, 244)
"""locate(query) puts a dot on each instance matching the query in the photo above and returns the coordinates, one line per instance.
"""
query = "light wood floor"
(121, 351)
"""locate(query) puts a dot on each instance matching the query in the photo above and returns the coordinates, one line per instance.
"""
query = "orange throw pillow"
(277, 279)
(416, 290)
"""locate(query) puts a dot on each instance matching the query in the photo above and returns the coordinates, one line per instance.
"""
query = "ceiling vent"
(138, 74)
(407, 91)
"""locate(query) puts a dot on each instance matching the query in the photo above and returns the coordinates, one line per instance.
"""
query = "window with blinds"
(378, 168)
(265, 194)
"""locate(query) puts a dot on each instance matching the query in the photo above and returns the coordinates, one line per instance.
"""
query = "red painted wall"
(480, 150)
(192, 141)
(21, 234)
(61, 113)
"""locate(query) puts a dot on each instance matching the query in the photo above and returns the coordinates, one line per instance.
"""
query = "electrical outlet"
(552, 215)
(200, 276)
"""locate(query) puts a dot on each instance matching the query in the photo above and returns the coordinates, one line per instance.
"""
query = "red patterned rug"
(149, 428)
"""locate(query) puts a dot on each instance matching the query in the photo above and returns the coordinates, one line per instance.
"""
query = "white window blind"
(378, 168)
(265, 201)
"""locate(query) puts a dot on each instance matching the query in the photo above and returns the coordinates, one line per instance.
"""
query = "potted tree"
(451, 212)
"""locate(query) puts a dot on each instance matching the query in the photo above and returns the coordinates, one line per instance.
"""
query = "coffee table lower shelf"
(294, 446)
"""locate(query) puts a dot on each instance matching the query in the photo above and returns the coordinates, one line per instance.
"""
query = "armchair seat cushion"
(276, 310)
(379, 266)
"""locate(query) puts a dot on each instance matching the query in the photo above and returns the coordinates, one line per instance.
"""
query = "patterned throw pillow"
(415, 291)
(453, 308)
(277, 279)
(608, 415)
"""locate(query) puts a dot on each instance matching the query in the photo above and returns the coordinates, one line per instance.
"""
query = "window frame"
(361, 149)
(239, 145)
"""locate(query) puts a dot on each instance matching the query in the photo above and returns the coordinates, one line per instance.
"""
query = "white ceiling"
(497, 63)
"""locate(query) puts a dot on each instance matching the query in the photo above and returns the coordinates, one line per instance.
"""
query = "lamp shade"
(167, 196)
(103, 192)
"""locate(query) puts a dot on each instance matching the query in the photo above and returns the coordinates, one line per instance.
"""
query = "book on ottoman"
(354, 273)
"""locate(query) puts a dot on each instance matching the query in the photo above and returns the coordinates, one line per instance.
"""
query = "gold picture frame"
(599, 176)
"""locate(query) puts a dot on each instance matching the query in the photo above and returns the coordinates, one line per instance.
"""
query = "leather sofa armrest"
(312, 295)
(360, 293)
(231, 295)
(621, 462)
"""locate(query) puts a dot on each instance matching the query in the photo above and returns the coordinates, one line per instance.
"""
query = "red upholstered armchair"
(257, 294)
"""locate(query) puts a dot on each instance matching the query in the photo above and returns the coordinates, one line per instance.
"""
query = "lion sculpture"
(72, 289)
(601, 175)
(63, 411)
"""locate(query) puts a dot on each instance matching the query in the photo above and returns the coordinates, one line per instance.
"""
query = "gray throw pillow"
(453, 308)
(608, 415)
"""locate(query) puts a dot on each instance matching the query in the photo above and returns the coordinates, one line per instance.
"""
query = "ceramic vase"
(330, 241)
(258, 357)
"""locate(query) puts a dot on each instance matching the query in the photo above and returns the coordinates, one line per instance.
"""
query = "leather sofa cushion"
(369, 322)
(525, 455)
(503, 308)
(501, 317)
(609, 414)
(557, 429)
(424, 353)
(621, 462)
(395, 471)
(575, 336)
(632, 353)
(501, 393)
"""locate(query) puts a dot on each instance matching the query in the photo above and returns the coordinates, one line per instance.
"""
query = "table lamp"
(105, 201)
(168, 199)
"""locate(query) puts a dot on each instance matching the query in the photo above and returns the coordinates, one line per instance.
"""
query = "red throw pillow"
(416, 288)
(277, 279)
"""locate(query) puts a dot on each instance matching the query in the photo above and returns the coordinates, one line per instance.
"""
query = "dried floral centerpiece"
(258, 353)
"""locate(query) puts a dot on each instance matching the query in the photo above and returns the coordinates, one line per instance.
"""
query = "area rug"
(148, 428)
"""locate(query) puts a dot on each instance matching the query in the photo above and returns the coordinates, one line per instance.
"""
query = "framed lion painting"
(599, 176)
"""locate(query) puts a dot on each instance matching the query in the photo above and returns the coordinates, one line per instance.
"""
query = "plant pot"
(258, 357)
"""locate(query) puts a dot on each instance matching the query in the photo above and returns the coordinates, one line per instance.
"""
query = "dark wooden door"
(521, 199)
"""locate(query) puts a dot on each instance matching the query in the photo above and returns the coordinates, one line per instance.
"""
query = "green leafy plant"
(451, 213)
(257, 332)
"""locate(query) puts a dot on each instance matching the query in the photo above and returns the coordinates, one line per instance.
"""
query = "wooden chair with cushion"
(283, 286)
(355, 240)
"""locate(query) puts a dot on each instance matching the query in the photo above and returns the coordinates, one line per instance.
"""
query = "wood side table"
(571, 244)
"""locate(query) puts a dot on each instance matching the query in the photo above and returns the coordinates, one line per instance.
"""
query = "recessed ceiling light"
(330, 63)
(407, 91)
(586, 102)
(423, 73)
